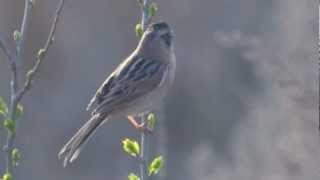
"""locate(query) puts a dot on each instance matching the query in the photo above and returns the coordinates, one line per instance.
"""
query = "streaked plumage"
(134, 86)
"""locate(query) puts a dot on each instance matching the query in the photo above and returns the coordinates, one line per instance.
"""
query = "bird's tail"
(73, 147)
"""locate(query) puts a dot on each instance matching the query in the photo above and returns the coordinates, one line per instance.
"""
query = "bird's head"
(158, 35)
(161, 32)
(156, 41)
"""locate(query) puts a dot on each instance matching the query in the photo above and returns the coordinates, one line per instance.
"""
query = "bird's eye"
(167, 38)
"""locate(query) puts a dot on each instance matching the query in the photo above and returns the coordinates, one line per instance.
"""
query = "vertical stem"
(11, 135)
(145, 15)
(16, 94)
(142, 152)
(24, 27)
(144, 137)
(14, 83)
(12, 113)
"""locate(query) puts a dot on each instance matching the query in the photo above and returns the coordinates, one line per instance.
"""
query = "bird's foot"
(142, 127)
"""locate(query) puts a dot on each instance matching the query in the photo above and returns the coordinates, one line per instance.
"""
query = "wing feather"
(128, 82)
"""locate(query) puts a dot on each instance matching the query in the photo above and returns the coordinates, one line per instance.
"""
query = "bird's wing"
(131, 80)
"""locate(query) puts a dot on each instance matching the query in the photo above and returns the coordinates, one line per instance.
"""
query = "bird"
(134, 87)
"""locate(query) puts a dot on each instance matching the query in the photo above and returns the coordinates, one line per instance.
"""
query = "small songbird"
(133, 87)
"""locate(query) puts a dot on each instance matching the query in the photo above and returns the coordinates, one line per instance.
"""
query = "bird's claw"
(142, 128)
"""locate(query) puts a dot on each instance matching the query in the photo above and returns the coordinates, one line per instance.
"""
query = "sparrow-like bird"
(133, 87)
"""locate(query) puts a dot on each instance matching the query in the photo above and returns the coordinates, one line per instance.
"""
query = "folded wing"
(131, 80)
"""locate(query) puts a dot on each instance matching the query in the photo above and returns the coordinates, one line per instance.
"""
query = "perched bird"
(133, 87)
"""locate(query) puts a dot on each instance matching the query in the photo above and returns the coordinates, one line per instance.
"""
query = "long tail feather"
(73, 147)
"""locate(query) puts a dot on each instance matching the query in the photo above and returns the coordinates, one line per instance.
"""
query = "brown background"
(243, 105)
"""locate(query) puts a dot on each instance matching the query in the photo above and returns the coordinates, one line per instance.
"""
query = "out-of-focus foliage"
(3, 107)
(15, 156)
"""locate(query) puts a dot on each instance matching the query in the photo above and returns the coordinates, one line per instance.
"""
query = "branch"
(42, 53)
(143, 146)
(16, 94)
(5, 51)
(145, 15)
(13, 67)
(143, 136)
(24, 27)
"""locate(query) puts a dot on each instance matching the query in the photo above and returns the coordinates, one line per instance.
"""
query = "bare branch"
(145, 15)
(13, 66)
(143, 137)
(24, 27)
(5, 50)
(42, 53)
(16, 94)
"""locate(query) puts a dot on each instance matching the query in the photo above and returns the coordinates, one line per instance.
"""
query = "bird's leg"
(139, 127)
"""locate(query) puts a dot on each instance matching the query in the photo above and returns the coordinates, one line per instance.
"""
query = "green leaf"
(3, 107)
(7, 176)
(131, 147)
(156, 165)
(139, 31)
(132, 176)
(15, 156)
(19, 111)
(10, 125)
(151, 121)
(152, 9)
(16, 35)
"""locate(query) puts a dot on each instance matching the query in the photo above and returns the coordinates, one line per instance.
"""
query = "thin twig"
(144, 136)
(24, 27)
(42, 53)
(142, 152)
(16, 94)
(5, 51)
(14, 83)
(145, 15)
(12, 115)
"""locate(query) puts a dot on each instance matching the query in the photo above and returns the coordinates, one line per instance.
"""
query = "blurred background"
(243, 106)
